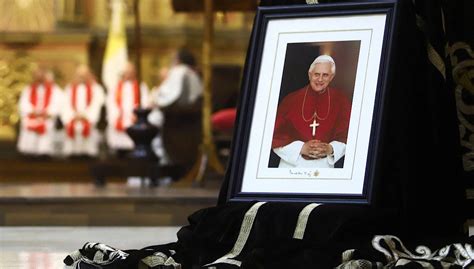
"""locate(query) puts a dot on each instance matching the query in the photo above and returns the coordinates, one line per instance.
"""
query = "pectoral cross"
(314, 125)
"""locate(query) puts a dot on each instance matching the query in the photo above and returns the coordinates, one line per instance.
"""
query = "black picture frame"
(248, 108)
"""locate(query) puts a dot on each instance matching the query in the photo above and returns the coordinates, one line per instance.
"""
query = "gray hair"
(324, 59)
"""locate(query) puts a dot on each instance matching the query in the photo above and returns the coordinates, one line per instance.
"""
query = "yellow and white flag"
(115, 57)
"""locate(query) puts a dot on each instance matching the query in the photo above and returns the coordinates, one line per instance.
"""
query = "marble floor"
(116, 204)
(46, 247)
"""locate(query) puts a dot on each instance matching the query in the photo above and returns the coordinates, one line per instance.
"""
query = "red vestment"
(333, 125)
(118, 99)
(35, 123)
(71, 125)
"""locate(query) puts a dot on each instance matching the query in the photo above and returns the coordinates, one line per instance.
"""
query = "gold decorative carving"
(462, 61)
(27, 16)
(15, 73)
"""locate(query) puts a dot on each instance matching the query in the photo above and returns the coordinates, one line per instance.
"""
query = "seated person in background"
(181, 84)
(312, 123)
(84, 98)
(121, 101)
(178, 96)
(39, 107)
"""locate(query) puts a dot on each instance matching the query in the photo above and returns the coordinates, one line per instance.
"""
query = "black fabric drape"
(460, 37)
(422, 159)
(331, 229)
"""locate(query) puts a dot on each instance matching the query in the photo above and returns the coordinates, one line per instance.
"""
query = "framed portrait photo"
(311, 108)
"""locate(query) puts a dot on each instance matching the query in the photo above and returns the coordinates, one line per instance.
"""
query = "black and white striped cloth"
(101, 256)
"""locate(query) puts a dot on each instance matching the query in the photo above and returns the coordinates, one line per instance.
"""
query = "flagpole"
(115, 55)
(138, 51)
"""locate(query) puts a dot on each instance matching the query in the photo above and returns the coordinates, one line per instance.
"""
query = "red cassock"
(333, 123)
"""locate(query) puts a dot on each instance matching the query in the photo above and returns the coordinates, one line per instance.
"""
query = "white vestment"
(80, 144)
(31, 142)
(117, 139)
(291, 156)
(180, 78)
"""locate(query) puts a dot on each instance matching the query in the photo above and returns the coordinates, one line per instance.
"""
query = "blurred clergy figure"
(181, 84)
(127, 95)
(39, 107)
(84, 98)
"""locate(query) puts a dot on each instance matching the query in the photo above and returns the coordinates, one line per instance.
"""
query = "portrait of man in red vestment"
(312, 121)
